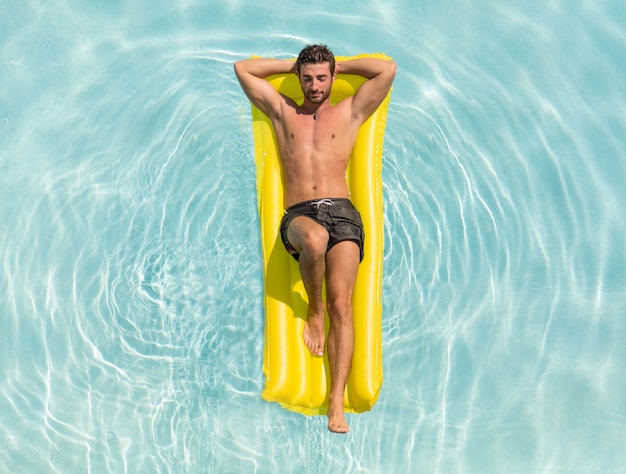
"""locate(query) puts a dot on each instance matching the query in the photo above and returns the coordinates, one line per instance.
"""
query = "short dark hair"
(316, 54)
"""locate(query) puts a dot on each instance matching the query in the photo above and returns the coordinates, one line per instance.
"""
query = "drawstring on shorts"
(328, 202)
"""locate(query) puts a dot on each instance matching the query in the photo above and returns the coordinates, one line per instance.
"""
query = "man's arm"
(380, 74)
(252, 73)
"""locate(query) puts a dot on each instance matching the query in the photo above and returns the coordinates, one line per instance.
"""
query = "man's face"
(316, 82)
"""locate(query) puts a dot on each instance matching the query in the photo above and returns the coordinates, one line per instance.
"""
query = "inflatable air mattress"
(293, 377)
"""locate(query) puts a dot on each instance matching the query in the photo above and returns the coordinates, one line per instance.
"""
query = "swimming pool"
(131, 286)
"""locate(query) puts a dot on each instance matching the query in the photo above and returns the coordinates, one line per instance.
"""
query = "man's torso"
(315, 152)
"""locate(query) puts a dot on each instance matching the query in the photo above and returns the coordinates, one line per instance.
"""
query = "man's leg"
(310, 240)
(342, 263)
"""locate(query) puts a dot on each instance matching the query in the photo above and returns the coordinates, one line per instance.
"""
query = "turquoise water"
(130, 277)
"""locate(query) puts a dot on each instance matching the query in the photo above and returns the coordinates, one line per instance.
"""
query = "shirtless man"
(320, 228)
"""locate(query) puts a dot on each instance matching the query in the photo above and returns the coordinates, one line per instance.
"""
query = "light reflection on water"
(131, 289)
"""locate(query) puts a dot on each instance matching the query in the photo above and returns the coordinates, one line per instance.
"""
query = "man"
(321, 229)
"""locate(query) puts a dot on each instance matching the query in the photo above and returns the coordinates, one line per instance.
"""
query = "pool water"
(131, 276)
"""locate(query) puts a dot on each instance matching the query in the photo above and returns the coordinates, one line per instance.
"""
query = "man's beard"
(318, 99)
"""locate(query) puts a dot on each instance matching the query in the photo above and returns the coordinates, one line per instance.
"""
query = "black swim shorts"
(337, 216)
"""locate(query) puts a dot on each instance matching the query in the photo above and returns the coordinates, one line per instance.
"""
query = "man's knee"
(314, 241)
(340, 309)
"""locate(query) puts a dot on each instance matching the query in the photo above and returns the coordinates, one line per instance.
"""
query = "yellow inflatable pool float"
(294, 378)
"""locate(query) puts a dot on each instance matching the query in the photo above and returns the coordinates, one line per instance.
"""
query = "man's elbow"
(238, 67)
(242, 67)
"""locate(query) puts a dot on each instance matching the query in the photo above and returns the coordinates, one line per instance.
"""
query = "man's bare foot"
(337, 422)
(314, 333)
